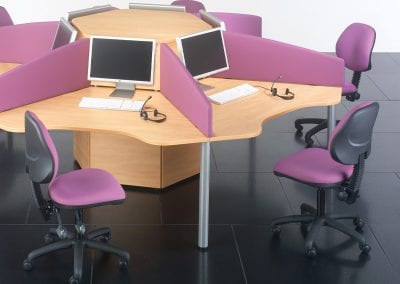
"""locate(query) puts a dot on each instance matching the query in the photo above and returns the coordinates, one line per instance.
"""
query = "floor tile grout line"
(376, 85)
(238, 252)
(383, 250)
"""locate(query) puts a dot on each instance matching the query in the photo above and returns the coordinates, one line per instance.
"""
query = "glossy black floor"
(160, 232)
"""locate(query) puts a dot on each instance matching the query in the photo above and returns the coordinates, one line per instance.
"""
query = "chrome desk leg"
(331, 125)
(204, 194)
(331, 121)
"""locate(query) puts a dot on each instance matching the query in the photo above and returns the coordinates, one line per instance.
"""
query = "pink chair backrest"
(24, 42)
(5, 19)
(191, 6)
(241, 23)
(355, 46)
(254, 58)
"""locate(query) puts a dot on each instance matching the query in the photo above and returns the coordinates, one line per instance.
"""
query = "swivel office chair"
(5, 19)
(191, 6)
(354, 46)
(76, 191)
(339, 167)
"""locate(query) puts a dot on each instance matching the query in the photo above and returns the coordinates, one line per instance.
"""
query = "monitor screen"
(127, 60)
(65, 34)
(203, 53)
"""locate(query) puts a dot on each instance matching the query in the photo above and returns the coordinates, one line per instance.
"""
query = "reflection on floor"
(159, 229)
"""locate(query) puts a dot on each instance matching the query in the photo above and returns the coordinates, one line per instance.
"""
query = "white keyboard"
(113, 104)
(234, 93)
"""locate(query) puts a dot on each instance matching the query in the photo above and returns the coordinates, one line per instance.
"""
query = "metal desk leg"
(331, 121)
(204, 195)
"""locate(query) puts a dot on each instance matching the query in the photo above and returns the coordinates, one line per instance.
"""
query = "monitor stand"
(205, 87)
(123, 90)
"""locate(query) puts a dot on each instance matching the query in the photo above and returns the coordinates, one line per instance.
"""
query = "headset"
(151, 114)
(289, 95)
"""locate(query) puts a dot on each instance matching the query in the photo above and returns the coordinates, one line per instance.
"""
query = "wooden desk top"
(235, 120)
(163, 26)
(5, 67)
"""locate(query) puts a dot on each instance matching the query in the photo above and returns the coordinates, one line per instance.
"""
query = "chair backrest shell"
(41, 154)
(352, 137)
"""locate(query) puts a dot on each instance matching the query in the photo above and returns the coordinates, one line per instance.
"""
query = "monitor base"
(123, 90)
(205, 87)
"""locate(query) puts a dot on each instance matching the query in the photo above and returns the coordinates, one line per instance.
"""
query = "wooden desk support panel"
(134, 162)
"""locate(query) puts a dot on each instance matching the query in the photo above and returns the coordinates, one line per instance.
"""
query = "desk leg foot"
(204, 195)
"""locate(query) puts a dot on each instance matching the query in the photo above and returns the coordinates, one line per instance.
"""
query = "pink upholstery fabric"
(179, 87)
(56, 72)
(49, 142)
(348, 88)
(85, 187)
(346, 118)
(191, 6)
(355, 45)
(254, 58)
(241, 23)
(313, 166)
(5, 19)
(25, 42)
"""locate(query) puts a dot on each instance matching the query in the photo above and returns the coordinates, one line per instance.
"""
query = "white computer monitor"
(163, 7)
(212, 20)
(88, 11)
(125, 61)
(65, 34)
(203, 53)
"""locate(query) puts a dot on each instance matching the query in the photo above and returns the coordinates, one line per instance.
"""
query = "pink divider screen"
(179, 87)
(54, 73)
(25, 42)
(254, 58)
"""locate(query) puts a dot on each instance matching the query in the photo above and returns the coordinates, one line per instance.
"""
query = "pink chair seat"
(86, 187)
(348, 88)
(313, 166)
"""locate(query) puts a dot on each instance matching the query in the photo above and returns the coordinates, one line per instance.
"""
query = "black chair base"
(316, 218)
(96, 239)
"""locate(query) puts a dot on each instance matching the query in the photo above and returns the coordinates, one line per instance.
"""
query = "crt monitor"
(125, 61)
(203, 53)
(65, 34)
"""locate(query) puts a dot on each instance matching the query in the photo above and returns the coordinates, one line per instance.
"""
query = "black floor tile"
(180, 202)
(281, 260)
(254, 155)
(389, 84)
(169, 254)
(246, 198)
(395, 56)
(383, 63)
(388, 237)
(15, 244)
